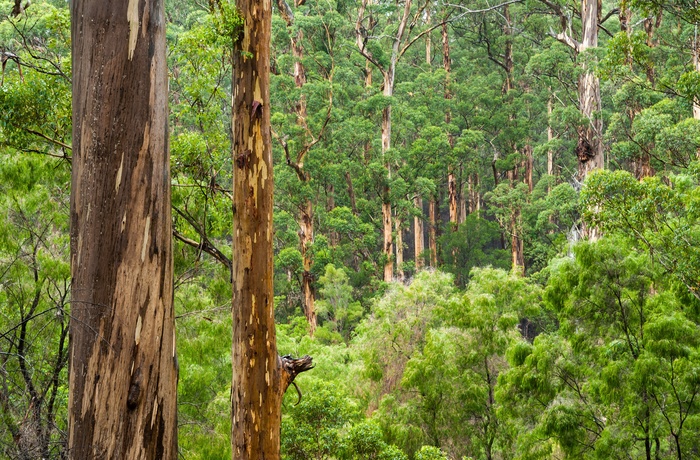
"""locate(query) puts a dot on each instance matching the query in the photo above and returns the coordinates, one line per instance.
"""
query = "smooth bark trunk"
(123, 367)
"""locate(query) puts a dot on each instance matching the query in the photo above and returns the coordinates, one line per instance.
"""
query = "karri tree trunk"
(306, 210)
(590, 135)
(260, 376)
(363, 26)
(306, 236)
(451, 179)
(432, 232)
(590, 143)
(123, 368)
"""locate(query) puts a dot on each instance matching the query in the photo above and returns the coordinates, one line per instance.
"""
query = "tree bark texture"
(260, 376)
(590, 136)
(123, 369)
(256, 387)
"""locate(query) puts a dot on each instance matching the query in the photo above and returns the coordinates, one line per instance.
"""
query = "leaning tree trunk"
(123, 370)
(590, 136)
(260, 376)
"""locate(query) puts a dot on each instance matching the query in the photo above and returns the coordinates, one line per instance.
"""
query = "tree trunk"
(260, 376)
(516, 242)
(432, 237)
(306, 214)
(386, 205)
(528, 160)
(399, 250)
(388, 74)
(590, 143)
(652, 24)
(418, 233)
(428, 41)
(696, 66)
(452, 194)
(333, 237)
(388, 239)
(550, 137)
(351, 192)
(306, 235)
(123, 374)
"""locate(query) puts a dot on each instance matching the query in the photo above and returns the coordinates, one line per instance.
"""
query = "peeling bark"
(260, 376)
(123, 370)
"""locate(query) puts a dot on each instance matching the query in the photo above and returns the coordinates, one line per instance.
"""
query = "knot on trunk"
(584, 150)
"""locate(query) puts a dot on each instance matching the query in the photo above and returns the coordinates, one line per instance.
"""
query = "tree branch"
(291, 367)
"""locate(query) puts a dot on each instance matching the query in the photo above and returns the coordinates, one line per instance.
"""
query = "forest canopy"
(485, 226)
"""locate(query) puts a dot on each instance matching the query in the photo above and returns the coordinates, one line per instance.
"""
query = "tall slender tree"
(123, 369)
(590, 135)
(260, 375)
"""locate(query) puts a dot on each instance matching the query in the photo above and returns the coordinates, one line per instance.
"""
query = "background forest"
(469, 284)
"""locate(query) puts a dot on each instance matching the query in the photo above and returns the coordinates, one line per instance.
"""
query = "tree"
(123, 365)
(260, 376)
(590, 133)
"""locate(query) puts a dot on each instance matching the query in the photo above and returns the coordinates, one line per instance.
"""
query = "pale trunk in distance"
(306, 212)
(590, 146)
(696, 65)
(550, 137)
(123, 368)
(306, 233)
(386, 204)
(399, 249)
(432, 236)
(418, 232)
(451, 179)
